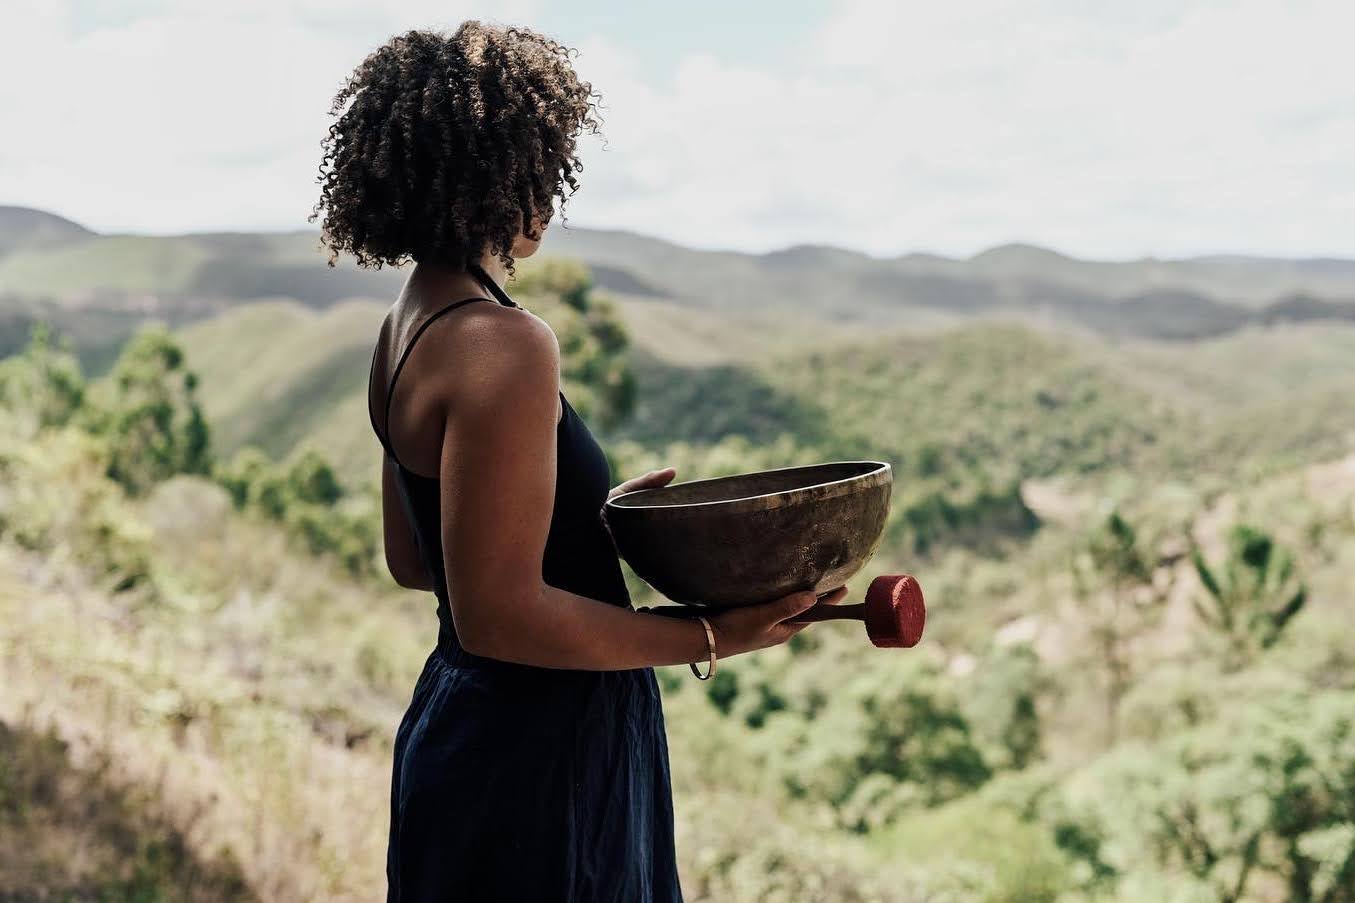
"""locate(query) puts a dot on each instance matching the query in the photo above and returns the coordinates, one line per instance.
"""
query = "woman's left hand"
(651, 480)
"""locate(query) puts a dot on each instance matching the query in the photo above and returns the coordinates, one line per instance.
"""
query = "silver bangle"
(710, 642)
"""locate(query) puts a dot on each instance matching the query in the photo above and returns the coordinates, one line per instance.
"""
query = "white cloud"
(1171, 129)
(1101, 129)
(208, 116)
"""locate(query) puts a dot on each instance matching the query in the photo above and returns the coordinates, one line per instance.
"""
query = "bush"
(897, 731)
(58, 501)
(306, 496)
(977, 852)
(999, 699)
(1261, 797)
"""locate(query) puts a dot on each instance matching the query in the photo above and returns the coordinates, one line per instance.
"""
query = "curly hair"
(451, 145)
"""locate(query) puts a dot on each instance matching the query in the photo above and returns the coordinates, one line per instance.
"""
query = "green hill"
(178, 278)
(279, 375)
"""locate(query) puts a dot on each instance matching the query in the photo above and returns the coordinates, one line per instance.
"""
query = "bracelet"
(710, 642)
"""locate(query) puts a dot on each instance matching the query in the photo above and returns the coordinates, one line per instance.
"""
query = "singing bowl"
(753, 537)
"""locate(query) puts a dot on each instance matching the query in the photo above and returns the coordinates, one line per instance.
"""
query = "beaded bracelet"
(710, 642)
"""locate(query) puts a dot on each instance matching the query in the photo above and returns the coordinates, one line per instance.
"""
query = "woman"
(532, 763)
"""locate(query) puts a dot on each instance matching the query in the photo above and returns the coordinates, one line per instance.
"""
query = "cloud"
(1107, 130)
(199, 116)
(1154, 129)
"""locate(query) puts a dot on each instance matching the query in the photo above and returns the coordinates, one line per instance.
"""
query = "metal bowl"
(753, 537)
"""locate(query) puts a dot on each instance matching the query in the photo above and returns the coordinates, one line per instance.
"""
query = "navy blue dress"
(518, 783)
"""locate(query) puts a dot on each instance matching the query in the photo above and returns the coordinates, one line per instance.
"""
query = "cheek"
(525, 246)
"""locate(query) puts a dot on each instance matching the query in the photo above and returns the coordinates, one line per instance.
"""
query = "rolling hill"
(1019, 356)
(52, 267)
(806, 341)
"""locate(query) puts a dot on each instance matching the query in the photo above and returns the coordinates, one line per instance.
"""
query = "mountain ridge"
(48, 260)
(997, 250)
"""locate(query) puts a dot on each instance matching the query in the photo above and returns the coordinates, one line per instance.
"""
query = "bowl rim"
(880, 473)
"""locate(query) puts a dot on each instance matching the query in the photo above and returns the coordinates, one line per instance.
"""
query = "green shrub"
(1262, 796)
(897, 724)
(999, 700)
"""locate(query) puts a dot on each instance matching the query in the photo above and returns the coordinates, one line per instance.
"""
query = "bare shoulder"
(492, 350)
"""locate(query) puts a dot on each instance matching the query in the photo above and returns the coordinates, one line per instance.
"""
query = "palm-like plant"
(1252, 595)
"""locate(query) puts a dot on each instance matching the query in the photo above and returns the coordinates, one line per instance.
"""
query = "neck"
(444, 275)
(494, 268)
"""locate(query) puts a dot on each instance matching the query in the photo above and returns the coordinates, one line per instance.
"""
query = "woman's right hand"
(748, 628)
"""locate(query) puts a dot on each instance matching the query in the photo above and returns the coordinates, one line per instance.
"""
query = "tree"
(147, 411)
(569, 280)
(44, 379)
(305, 496)
(1113, 582)
(1251, 596)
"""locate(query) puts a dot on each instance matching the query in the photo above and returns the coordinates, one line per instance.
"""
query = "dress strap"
(479, 273)
(404, 356)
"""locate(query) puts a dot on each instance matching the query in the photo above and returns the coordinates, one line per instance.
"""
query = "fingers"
(660, 477)
(797, 602)
(650, 480)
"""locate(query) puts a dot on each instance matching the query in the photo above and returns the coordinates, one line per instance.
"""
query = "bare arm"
(402, 552)
(498, 488)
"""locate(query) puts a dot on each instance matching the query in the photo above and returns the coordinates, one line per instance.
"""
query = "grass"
(236, 667)
(72, 832)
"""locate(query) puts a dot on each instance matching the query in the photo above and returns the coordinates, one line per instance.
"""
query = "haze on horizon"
(1149, 130)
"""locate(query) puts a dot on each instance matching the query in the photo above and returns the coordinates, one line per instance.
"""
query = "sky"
(1109, 130)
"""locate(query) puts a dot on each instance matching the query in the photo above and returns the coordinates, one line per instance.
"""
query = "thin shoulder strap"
(485, 280)
(404, 356)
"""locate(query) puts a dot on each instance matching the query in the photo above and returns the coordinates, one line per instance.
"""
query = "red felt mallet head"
(895, 612)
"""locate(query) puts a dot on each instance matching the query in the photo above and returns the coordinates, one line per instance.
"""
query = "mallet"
(894, 611)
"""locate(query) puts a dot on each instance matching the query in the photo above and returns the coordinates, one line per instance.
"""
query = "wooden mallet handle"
(894, 611)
